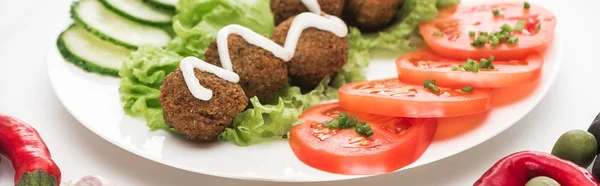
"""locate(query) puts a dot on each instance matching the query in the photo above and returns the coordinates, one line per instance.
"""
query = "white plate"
(94, 101)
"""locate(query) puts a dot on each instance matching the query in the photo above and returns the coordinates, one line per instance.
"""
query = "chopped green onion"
(345, 121)
(363, 129)
(512, 40)
(471, 65)
(526, 5)
(538, 27)
(467, 89)
(494, 41)
(431, 85)
(472, 33)
(486, 63)
(496, 12)
(519, 26)
(437, 33)
(483, 33)
(506, 28)
(455, 68)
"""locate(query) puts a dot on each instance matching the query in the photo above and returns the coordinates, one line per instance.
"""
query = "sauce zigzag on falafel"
(250, 37)
(311, 20)
(187, 67)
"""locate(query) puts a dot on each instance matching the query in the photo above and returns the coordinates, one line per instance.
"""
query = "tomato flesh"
(457, 21)
(390, 97)
(421, 65)
(394, 144)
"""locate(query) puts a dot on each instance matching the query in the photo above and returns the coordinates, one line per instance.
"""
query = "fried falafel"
(318, 54)
(197, 119)
(284, 9)
(371, 15)
(261, 73)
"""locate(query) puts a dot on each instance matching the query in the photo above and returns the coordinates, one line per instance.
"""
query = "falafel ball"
(318, 54)
(371, 15)
(284, 9)
(261, 73)
(198, 119)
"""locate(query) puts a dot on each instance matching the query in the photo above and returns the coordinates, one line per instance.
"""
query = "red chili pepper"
(28, 153)
(516, 169)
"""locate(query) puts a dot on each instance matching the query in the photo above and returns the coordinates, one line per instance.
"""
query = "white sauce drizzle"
(308, 20)
(303, 21)
(187, 66)
(312, 6)
(250, 37)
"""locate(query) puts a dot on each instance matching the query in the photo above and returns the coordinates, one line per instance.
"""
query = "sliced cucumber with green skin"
(169, 4)
(99, 20)
(91, 53)
(141, 12)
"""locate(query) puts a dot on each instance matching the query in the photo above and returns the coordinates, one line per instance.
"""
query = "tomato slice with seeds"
(421, 65)
(390, 97)
(395, 143)
(457, 21)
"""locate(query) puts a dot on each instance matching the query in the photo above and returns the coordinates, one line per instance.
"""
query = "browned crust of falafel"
(284, 9)
(318, 54)
(261, 73)
(371, 15)
(197, 119)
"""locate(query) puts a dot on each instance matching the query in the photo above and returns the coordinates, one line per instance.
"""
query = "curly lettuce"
(198, 21)
(358, 59)
(142, 75)
(403, 36)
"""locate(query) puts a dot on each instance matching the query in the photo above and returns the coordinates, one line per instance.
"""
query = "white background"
(26, 34)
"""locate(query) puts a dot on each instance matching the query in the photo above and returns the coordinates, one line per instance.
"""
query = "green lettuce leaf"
(198, 21)
(358, 59)
(268, 121)
(403, 37)
(142, 75)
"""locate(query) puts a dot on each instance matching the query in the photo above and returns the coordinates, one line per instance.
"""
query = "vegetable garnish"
(537, 27)
(415, 67)
(472, 33)
(512, 40)
(496, 12)
(395, 143)
(30, 157)
(519, 26)
(430, 84)
(470, 65)
(473, 66)
(346, 121)
(438, 33)
(467, 89)
(495, 38)
(486, 63)
(457, 21)
(526, 5)
(518, 168)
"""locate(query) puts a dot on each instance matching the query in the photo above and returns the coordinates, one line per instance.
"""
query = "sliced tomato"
(393, 145)
(328, 111)
(418, 66)
(390, 97)
(455, 22)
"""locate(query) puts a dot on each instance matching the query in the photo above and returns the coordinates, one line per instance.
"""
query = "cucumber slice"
(110, 26)
(91, 53)
(169, 4)
(141, 12)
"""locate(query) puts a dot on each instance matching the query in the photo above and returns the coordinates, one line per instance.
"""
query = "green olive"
(577, 146)
(542, 181)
